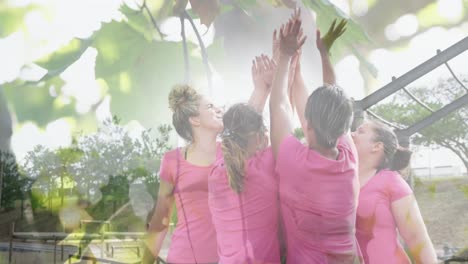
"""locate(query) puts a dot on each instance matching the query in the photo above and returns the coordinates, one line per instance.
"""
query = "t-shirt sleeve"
(346, 142)
(166, 169)
(288, 151)
(397, 187)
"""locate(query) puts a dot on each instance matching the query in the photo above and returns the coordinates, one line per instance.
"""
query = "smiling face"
(209, 116)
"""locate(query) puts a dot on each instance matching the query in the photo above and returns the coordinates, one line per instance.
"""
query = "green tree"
(14, 186)
(450, 132)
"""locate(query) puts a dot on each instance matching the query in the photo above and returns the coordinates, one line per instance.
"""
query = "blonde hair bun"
(180, 95)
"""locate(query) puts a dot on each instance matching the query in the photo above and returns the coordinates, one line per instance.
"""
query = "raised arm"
(324, 45)
(158, 225)
(413, 230)
(299, 89)
(280, 107)
(263, 70)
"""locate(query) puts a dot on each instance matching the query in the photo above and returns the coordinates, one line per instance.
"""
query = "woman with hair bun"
(386, 202)
(183, 178)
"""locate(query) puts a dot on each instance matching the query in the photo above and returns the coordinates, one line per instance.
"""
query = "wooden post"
(1, 176)
(55, 250)
(10, 250)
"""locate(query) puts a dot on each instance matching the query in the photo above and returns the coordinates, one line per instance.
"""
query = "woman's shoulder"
(171, 154)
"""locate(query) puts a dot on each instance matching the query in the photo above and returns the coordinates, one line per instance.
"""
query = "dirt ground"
(444, 206)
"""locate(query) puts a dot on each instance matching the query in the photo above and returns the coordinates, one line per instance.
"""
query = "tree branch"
(457, 152)
(203, 50)
(153, 21)
(184, 45)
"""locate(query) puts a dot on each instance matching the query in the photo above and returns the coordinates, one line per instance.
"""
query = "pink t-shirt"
(192, 185)
(318, 199)
(246, 223)
(376, 228)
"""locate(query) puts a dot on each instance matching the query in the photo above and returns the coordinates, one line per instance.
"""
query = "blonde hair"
(184, 102)
(241, 121)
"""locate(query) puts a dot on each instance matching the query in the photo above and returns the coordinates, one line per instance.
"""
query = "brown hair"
(329, 111)
(395, 157)
(184, 102)
(241, 121)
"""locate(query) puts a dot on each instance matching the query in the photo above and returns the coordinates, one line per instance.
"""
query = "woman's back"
(318, 202)
(246, 223)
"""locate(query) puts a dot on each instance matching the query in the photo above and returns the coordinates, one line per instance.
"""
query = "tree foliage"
(449, 132)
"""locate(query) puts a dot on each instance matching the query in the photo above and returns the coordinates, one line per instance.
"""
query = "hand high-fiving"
(263, 69)
(324, 44)
(289, 41)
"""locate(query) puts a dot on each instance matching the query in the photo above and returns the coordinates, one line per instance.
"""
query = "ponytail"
(401, 159)
(240, 122)
(235, 154)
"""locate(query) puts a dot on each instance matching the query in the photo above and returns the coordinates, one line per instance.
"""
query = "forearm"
(280, 108)
(413, 230)
(158, 226)
(327, 69)
(421, 249)
(300, 96)
(258, 99)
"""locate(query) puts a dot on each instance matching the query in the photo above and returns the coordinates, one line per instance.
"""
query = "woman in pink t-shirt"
(318, 182)
(184, 179)
(386, 202)
(243, 191)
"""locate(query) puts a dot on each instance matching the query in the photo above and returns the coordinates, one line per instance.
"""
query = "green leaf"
(137, 21)
(59, 61)
(12, 18)
(119, 46)
(246, 5)
(33, 102)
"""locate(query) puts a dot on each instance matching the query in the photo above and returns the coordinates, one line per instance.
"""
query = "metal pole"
(441, 113)
(414, 74)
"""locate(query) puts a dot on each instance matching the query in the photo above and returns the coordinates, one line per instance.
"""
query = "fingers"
(341, 28)
(332, 27)
(282, 32)
(254, 68)
(301, 33)
(341, 25)
(297, 27)
(260, 66)
(274, 36)
(302, 41)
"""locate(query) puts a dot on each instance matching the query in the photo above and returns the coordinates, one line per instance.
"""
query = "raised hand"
(324, 44)
(263, 69)
(289, 42)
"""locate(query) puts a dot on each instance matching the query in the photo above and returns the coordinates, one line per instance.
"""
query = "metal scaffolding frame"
(442, 57)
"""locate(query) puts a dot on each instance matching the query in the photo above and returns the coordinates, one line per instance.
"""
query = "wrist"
(284, 57)
(324, 53)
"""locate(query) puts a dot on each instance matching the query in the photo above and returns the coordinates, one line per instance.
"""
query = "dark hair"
(241, 121)
(184, 102)
(329, 111)
(395, 158)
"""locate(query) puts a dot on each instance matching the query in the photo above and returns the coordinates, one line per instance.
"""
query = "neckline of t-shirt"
(339, 158)
(377, 174)
(181, 157)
